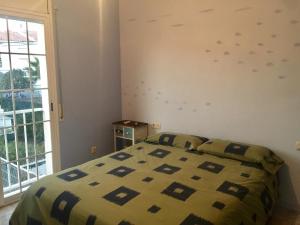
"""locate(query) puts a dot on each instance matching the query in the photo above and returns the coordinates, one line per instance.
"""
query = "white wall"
(227, 69)
(37, 6)
(87, 39)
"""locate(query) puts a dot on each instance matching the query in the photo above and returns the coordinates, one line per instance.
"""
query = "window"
(26, 135)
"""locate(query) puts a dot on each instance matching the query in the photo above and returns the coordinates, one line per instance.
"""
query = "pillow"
(243, 152)
(185, 141)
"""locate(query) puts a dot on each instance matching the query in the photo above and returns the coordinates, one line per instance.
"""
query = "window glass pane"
(11, 142)
(17, 36)
(25, 141)
(41, 105)
(38, 69)
(30, 139)
(28, 172)
(36, 35)
(3, 36)
(24, 117)
(45, 166)
(3, 154)
(10, 179)
(7, 144)
(23, 101)
(20, 71)
(5, 82)
(6, 110)
(43, 137)
(23, 106)
(28, 117)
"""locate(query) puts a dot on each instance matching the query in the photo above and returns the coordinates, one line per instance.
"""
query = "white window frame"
(47, 20)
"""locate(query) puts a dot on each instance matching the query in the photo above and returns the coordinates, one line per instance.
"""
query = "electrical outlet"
(298, 145)
(156, 125)
(93, 150)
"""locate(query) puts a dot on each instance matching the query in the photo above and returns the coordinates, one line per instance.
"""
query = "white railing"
(9, 166)
(12, 175)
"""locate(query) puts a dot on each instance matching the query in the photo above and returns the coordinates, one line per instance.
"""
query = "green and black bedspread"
(152, 184)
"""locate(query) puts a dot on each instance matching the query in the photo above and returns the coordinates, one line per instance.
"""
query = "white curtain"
(36, 6)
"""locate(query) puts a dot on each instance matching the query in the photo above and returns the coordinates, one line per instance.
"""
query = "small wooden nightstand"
(128, 133)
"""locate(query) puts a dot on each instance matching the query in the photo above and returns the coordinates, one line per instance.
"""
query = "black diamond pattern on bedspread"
(179, 191)
(91, 220)
(167, 169)
(195, 220)
(266, 200)
(159, 153)
(72, 175)
(211, 167)
(237, 149)
(121, 156)
(121, 196)
(121, 171)
(124, 222)
(166, 139)
(40, 192)
(233, 189)
(62, 207)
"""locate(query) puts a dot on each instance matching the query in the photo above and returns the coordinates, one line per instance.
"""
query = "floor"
(5, 213)
(280, 216)
(285, 217)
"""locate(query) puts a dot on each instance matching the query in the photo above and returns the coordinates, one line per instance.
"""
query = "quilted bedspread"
(152, 184)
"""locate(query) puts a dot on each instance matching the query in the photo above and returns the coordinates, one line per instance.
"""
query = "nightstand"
(128, 133)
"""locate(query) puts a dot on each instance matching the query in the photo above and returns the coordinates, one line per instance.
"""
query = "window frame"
(47, 20)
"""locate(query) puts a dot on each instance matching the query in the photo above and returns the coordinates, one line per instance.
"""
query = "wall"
(87, 39)
(36, 6)
(227, 69)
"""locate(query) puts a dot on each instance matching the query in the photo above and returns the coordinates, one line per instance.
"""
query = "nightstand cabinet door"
(122, 143)
(128, 132)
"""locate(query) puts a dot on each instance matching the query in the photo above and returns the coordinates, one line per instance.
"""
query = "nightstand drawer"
(119, 131)
(128, 132)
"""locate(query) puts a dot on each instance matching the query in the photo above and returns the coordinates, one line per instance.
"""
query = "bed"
(152, 184)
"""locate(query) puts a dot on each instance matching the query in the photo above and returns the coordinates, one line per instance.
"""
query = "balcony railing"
(17, 173)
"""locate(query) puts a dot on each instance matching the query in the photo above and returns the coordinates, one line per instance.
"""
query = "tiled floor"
(5, 213)
(280, 216)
